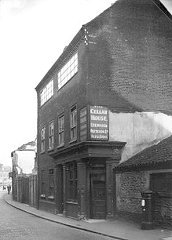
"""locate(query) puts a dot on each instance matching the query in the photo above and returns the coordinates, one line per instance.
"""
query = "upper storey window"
(73, 124)
(47, 92)
(43, 139)
(68, 71)
(51, 135)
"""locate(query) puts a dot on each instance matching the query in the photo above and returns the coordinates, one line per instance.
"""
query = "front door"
(98, 194)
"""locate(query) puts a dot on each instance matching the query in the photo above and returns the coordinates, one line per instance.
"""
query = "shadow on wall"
(139, 130)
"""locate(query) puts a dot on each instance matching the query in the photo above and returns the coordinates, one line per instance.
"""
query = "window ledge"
(72, 202)
(50, 149)
(73, 141)
(60, 146)
(42, 196)
(51, 197)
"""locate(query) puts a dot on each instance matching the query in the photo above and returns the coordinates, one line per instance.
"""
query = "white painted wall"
(138, 130)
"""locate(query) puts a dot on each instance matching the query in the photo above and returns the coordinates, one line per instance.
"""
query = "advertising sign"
(99, 123)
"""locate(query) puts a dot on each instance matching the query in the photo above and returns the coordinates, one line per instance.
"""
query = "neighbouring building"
(24, 173)
(4, 175)
(106, 98)
(149, 169)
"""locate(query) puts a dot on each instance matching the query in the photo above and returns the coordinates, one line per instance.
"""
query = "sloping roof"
(30, 146)
(158, 3)
(160, 153)
(163, 8)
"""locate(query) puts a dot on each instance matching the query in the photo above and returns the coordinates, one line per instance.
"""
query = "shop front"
(85, 186)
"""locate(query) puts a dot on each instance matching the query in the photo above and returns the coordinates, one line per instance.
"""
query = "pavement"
(114, 229)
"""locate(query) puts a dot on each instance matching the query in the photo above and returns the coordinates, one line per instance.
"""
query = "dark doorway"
(161, 185)
(98, 193)
(60, 194)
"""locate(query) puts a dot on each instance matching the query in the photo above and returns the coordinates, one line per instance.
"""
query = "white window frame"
(61, 129)
(46, 93)
(43, 139)
(68, 71)
(73, 123)
(51, 136)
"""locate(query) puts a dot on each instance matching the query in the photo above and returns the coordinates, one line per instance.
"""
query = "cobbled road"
(18, 225)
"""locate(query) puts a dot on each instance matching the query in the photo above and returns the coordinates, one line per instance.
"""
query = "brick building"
(106, 98)
(149, 169)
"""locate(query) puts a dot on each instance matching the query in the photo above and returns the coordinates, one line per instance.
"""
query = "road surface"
(18, 225)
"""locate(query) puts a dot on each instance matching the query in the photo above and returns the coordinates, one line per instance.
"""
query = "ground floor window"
(71, 183)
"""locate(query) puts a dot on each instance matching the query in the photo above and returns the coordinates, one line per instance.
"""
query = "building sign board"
(99, 123)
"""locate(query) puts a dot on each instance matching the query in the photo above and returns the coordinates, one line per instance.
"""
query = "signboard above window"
(94, 123)
(99, 123)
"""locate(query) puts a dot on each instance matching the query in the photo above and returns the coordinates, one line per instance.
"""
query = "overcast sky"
(33, 33)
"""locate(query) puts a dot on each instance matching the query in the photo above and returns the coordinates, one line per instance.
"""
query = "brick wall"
(128, 191)
(130, 60)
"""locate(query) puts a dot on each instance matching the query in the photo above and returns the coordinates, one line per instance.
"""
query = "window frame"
(43, 132)
(73, 123)
(69, 69)
(51, 135)
(47, 92)
(61, 130)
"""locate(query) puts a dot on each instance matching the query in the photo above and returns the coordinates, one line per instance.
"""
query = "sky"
(33, 34)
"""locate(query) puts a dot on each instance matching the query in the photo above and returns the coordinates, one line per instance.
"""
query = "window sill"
(73, 141)
(60, 146)
(42, 196)
(50, 149)
(72, 202)
(46, 201)
(51, 198)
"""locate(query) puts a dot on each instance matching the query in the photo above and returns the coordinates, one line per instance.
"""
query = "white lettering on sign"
(98, 131)
(99, 123)
(99, 118)
(98, 111)
(98, 136)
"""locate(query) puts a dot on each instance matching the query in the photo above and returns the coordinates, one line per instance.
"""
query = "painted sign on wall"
(99, 123)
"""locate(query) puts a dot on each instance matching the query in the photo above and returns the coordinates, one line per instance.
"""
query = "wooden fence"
(25, 189)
